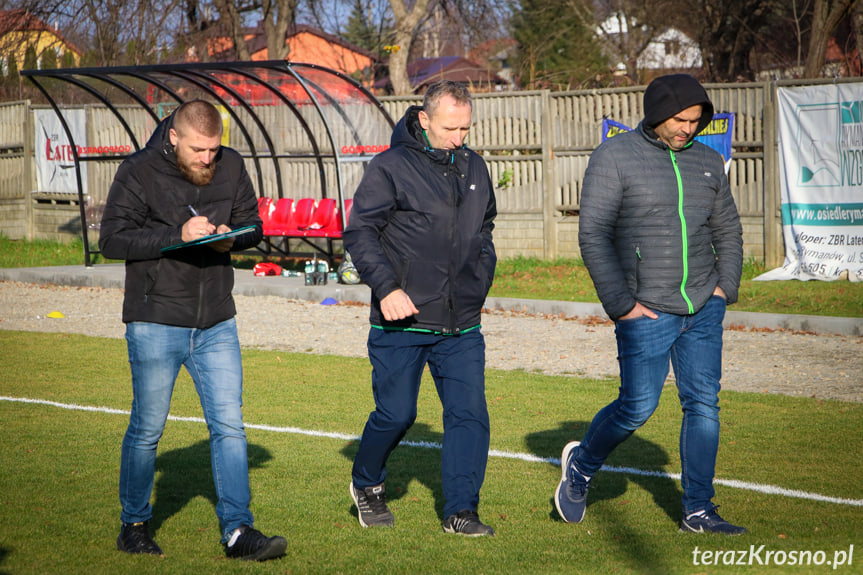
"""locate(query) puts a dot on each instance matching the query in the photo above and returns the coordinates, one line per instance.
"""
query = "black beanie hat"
(668, 95)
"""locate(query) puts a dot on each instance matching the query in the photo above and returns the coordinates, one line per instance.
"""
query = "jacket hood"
(668, 95)
(408, 132)
(159, 139)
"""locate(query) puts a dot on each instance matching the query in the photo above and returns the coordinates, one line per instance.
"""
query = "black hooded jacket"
(422, 221)
(146, 208)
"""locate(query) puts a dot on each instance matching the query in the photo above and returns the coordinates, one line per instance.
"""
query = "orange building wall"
(310, 48)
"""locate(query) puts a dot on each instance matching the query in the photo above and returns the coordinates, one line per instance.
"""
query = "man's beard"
(200, 176)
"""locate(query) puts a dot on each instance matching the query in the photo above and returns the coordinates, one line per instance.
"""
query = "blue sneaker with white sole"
(570, 497)
(709, 521)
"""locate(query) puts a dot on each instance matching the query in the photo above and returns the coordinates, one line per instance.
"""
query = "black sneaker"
(252, 545)
(709, 521)
(135, 538)
(570, 496)
(466, 522)
(372, 509)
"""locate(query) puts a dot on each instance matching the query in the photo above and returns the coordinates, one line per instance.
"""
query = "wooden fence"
(536, 145)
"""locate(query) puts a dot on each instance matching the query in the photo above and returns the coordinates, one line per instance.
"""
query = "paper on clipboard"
(211, 238)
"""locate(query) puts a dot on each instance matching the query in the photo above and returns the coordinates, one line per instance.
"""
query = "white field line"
(733, 483)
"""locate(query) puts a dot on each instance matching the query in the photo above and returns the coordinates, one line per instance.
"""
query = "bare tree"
(232, 22)
(275, 16)
(406, 21)
(827, 15)
(625, 28)
(728, 32)
(278, 17)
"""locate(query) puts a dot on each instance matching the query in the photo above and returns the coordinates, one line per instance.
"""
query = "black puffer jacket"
(145, 211)
(422, 221)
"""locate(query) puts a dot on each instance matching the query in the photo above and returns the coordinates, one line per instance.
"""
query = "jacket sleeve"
(601, 197)
(245, 212)
(727, 237)
(123, 233)
(374, 203)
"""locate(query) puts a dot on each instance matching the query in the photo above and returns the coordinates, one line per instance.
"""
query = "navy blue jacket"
(422, 221)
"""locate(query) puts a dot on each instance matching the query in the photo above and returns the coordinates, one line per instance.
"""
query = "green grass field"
(59, 511)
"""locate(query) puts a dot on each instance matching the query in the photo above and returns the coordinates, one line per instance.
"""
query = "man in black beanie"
(662, 240)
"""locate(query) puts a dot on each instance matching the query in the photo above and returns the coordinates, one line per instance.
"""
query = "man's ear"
(172, 136)
(424, 119)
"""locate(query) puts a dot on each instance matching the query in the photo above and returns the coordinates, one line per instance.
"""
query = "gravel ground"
(771, 361)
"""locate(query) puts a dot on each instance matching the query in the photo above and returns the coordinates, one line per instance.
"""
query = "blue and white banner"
(717, 134)
(821, 175)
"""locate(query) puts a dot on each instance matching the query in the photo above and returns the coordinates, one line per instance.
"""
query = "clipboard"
(211, 238)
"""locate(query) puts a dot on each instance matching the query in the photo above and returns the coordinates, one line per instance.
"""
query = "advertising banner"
(821, 175)
(55, 163)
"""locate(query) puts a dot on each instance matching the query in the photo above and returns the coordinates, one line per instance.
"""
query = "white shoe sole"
(352, 489)
(564, 461)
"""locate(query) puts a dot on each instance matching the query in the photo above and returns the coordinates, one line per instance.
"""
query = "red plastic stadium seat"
(334, 230)
(322, 219)
(265, 207)
(280, 218)
(303, 211)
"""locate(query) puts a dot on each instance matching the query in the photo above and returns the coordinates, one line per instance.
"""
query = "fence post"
(29, 177)
(773, 242)
(549, 179)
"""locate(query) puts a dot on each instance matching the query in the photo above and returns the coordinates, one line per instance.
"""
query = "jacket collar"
(408, 132)
(651, 136)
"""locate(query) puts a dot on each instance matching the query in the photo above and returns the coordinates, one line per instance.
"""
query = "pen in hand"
(193, 211)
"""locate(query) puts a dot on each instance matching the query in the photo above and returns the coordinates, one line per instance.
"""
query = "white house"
(670, 50)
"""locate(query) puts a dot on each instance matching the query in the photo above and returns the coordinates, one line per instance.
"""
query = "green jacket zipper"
(683, 233)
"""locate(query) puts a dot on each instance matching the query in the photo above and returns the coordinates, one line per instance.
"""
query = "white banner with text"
(821, 175)
(55, 163)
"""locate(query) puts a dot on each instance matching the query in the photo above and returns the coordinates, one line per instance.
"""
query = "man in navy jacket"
(662, 240)
(420, 236)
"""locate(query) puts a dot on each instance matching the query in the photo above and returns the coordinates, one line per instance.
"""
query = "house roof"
(23, 21)
(259, 42)
(424, 71)
(256, 40)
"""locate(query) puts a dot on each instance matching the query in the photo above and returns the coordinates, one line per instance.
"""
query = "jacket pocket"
(424, 281)
(151, 278)
(635, 280)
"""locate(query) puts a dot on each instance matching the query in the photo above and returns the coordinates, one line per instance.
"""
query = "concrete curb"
(112, 276)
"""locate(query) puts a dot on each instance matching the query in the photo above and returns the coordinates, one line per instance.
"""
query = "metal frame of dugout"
(291, 119)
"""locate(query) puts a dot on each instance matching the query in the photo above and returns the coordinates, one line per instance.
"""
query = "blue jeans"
(212, 358)
(693, 344)
(457, 365)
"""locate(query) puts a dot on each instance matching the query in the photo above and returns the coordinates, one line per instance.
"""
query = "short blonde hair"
(200, 116)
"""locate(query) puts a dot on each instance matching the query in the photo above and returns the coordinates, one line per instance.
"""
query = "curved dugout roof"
(299, 125)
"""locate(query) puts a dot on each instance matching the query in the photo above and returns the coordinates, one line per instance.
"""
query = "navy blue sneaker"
(570, 497)
(709, 521)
